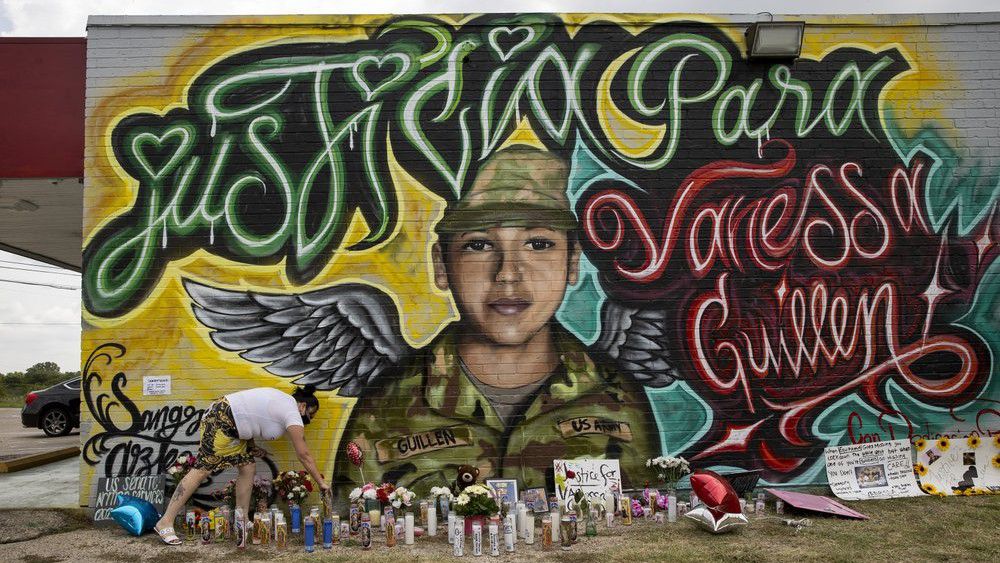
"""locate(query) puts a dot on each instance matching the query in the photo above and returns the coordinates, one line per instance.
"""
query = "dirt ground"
(920, 529)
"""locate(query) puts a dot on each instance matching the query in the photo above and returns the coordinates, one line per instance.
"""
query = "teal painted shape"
(955, 189)
(682, 417)
(580, 311)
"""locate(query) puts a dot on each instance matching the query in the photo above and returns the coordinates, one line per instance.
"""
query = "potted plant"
(476, 503)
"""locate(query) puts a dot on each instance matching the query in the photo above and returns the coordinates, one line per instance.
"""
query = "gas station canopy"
(41, 148)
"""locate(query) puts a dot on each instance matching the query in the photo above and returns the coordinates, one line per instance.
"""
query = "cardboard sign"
(958, 465)
(599, 479)
(156, 385)
(871, 470)
(147, 487)
(816, 503)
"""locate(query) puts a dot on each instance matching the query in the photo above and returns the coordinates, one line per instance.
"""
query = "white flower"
(290, 496)
(462, 499)
(396, 503)
(441, 492)
(355, 493)
(173, 470)
(370, 494)
(290, 474)
(297, 489)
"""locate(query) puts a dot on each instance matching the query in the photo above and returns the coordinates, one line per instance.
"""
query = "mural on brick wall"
(509, 239)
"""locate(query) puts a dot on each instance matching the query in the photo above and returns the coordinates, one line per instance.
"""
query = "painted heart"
(178, 139)
(510, 39)
(367, 65)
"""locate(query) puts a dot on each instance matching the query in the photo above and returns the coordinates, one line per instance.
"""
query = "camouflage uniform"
(418, 429)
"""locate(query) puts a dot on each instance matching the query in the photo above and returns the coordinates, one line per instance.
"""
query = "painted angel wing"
(636, 341)
(343, 337)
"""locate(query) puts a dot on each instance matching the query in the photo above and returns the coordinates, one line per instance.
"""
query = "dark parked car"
(55, 410)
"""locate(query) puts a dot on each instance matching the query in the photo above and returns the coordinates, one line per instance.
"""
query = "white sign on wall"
(156, 385)
(871, 470)
(599, 479)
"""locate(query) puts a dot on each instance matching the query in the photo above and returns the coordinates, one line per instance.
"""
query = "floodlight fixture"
(775, 40)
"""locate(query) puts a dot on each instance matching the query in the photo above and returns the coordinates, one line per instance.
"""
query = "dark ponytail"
(307, 395)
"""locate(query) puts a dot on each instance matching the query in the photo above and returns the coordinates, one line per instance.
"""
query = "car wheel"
(56, 422)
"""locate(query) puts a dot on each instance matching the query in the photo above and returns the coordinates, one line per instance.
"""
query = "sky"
(43, 324)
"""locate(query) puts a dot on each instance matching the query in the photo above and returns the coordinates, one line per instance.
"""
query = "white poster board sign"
(156, 385)
(952, 466)
(871, 470)
(599, 479)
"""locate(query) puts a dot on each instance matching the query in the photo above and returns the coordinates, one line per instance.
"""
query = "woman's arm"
(297, 435)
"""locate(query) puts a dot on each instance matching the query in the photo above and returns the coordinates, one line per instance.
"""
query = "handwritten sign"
(156, 385)
(871, 470)
(954, 466)
(148, 487)
(599, 479)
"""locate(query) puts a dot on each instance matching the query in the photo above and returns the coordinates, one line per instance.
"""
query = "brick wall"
(503, 240)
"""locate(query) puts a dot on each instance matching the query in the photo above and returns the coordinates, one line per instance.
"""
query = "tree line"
(16, 384)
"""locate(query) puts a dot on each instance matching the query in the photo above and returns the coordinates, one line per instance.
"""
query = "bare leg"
(244, 481)
(188, 485)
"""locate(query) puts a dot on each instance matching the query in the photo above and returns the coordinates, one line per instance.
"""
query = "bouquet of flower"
(476, 500)
(437, 492)
(293, 486)
(364, 492)
(401, 497)
(383, 491)
(181, 467)
(669, 469)
(260, 492)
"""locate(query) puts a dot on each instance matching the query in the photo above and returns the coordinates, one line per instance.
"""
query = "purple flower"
(637, 508)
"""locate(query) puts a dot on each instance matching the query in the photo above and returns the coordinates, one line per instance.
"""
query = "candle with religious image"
(653, 496)
(365, 531)
(206, 529)
(627, 510)
(240, 528)
(280, 531)
(390, 531)
(255, 537)
(508, 533)
(547, 533)
(335, 522)
(424, 508)
(190, 524)
(451, 526)
(354, 519)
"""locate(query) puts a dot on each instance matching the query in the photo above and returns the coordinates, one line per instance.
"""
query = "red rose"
(308, 486)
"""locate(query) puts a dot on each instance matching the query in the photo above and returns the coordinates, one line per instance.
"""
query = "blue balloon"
(136, 515)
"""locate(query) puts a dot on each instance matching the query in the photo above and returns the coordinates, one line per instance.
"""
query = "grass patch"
(918, 529)
(12, 402)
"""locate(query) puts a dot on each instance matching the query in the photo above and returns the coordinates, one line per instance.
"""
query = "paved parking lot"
(18, 441)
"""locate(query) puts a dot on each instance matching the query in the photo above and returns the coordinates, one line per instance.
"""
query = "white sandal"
(168, 536)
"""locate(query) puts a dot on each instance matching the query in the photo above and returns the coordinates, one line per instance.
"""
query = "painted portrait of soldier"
(505, 387)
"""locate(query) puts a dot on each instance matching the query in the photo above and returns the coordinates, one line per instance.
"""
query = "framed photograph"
(505, 489)
(536, 500)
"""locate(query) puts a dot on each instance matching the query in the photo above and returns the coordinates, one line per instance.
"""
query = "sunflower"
(996, 461)
(929, 489)
(920, 469)
(920, 444)
(974, 442)
(943, 444)
(996, 441)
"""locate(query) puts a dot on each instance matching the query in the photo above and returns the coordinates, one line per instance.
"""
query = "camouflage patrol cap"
(519, 186)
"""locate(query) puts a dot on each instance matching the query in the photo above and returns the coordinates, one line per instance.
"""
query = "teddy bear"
(467, 475)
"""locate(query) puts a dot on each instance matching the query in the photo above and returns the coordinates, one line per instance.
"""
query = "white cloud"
(37, 324)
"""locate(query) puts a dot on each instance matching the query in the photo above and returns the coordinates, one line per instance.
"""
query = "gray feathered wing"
(637, 342)
(344, 337)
